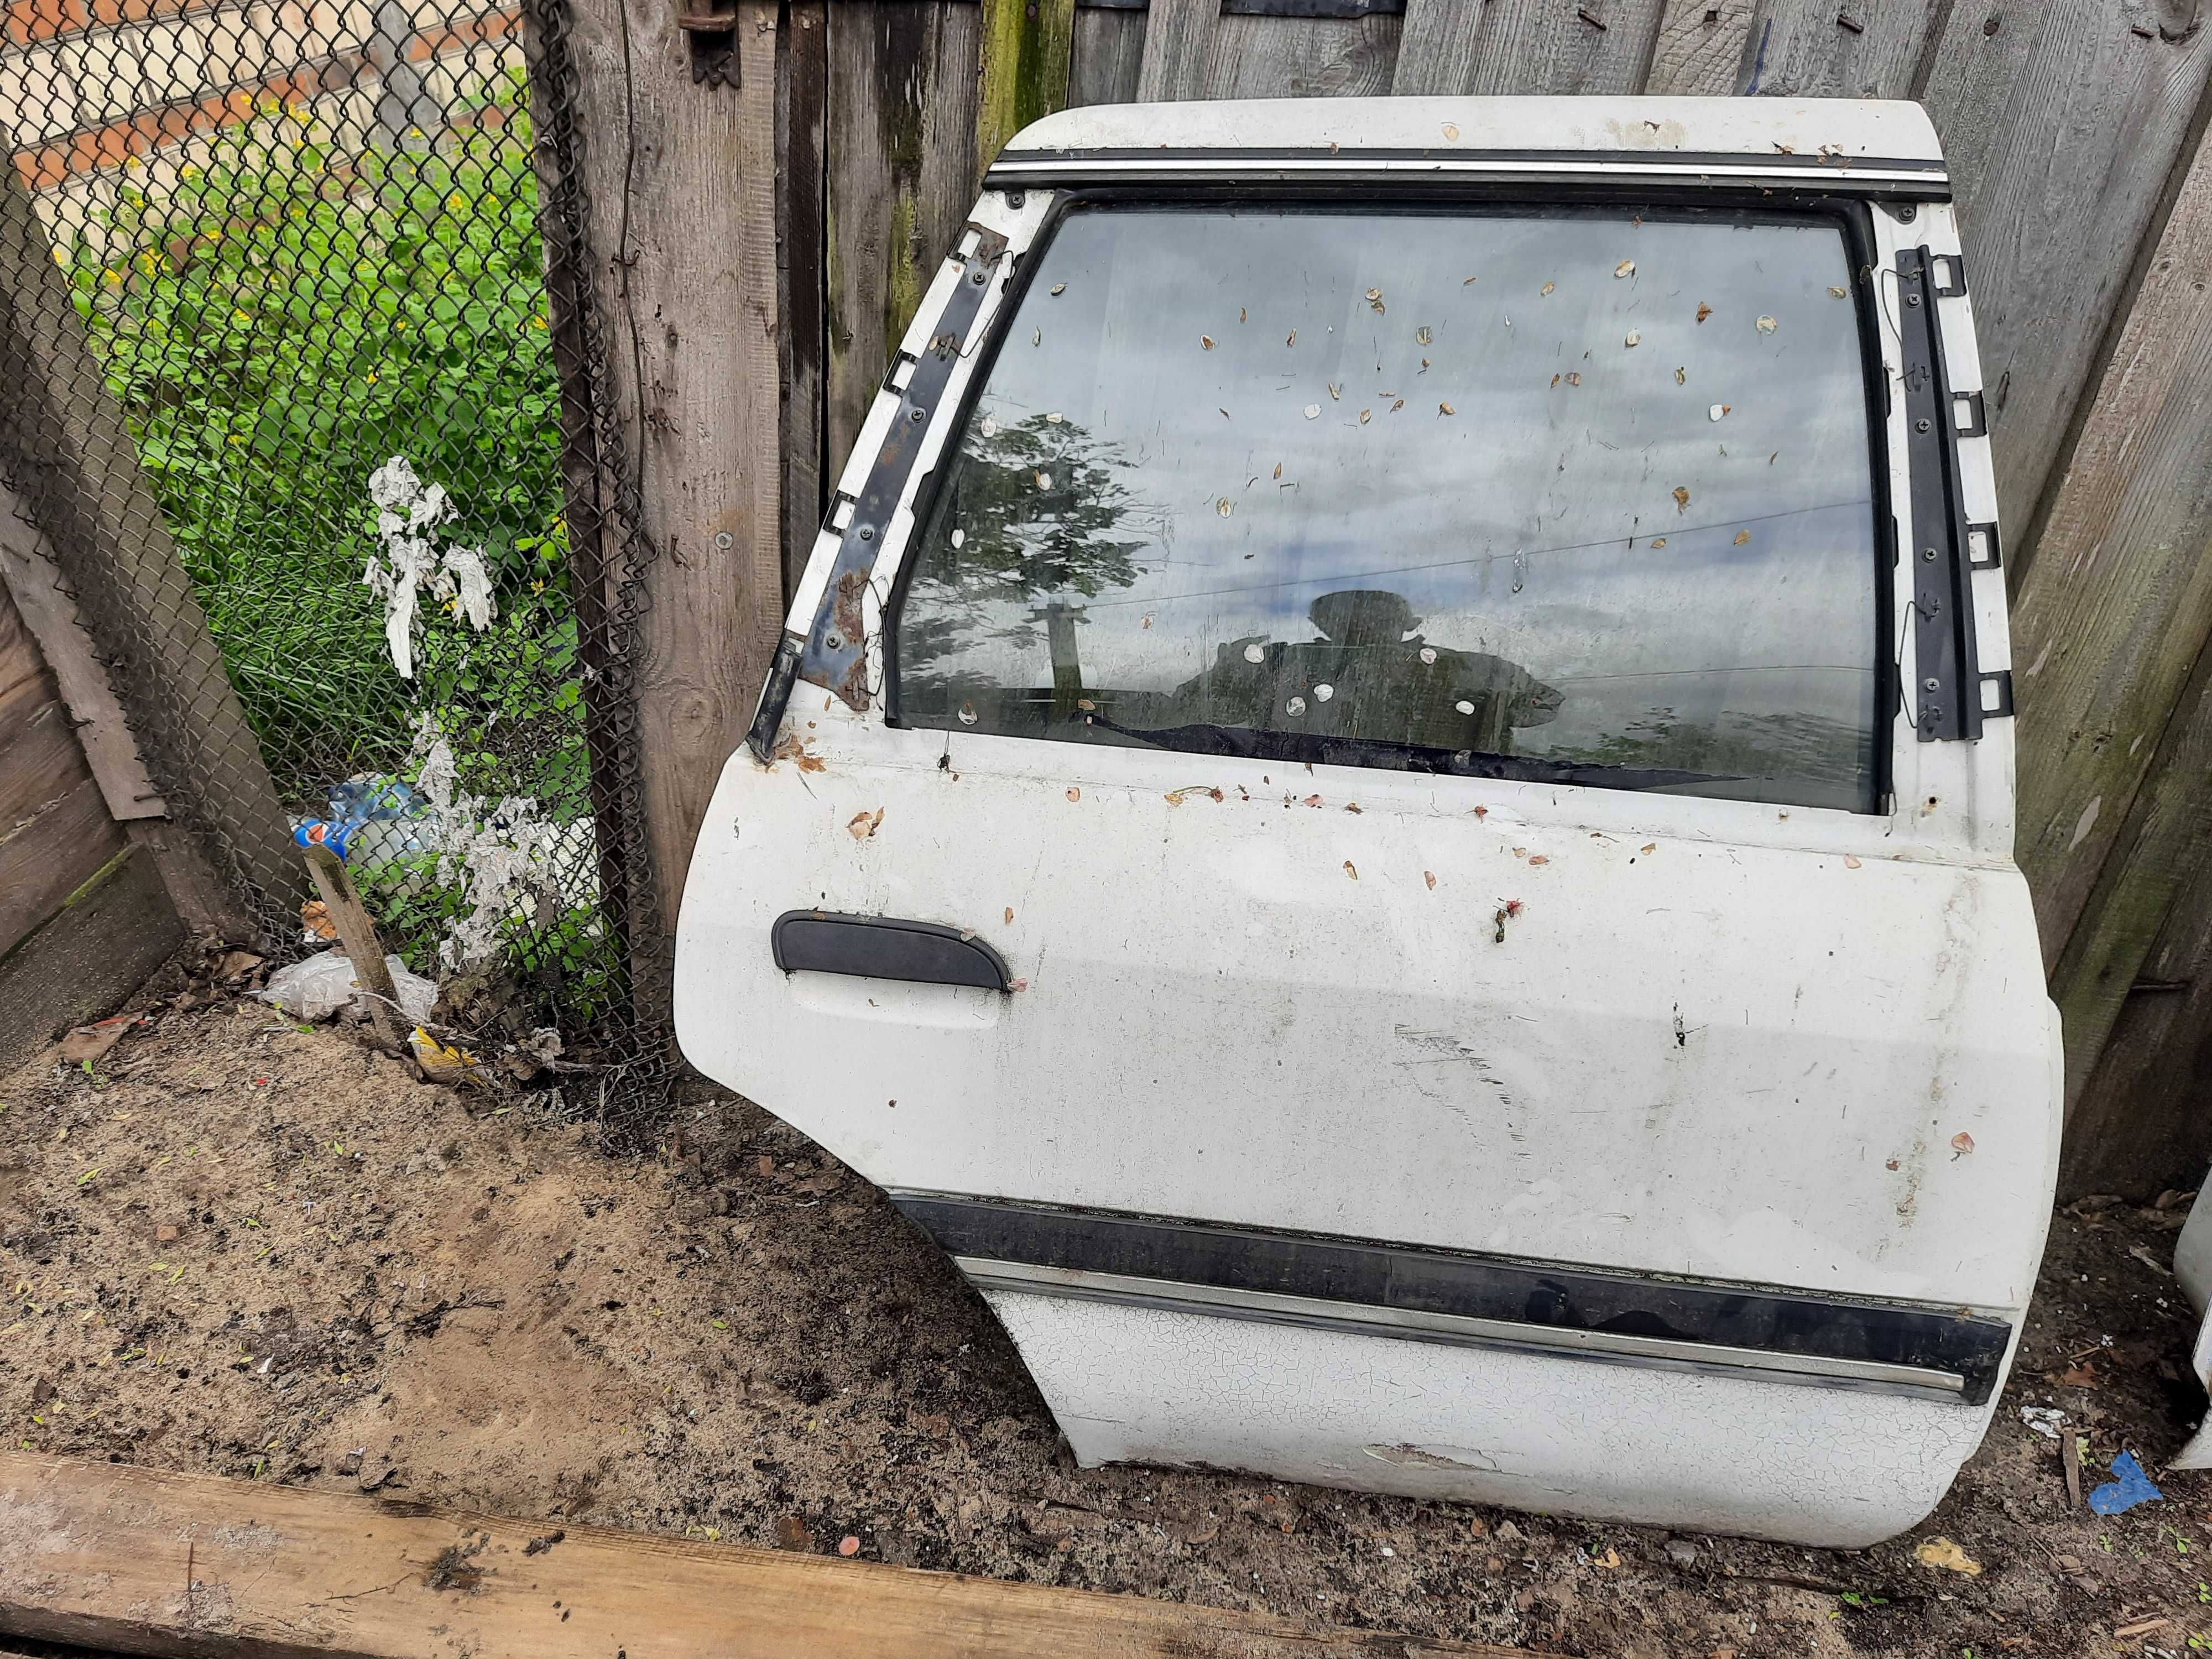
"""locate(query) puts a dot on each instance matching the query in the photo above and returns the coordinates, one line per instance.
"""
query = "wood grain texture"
(1027, 48)
(1699, 50)
(2138, 1125)
(178, 1564)
(29, 576)
(682, 177)
(89, 956)
(49, 855)
(900, 169)
(1242, 57)
(802, 273)
(2158, 852)
(1108, 57)
(2061, 126)
(2110, 617)
(107, 532)
(40, 760)
(1565, 47)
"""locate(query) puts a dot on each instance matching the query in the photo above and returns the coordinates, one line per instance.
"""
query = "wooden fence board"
(1026, 47)
(1302, 57)
(802, 103)
(191, 1565)
(690, 313)
(1527, 46)
(1108, 57)
(1178, 41)
(1700, 48)
(45, 858)
(900, 147)
(85, 960)
(2112, 616)
(2061, 125)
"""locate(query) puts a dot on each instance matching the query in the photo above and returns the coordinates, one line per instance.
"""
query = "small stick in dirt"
(357, 934)
(2070, 1453)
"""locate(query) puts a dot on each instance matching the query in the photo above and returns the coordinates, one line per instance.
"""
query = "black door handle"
(886, 947)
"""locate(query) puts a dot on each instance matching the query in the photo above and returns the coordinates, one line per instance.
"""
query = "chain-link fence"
(292, 382)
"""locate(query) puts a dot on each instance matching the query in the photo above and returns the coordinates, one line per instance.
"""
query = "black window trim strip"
(1853, 217)
(1548, 1305)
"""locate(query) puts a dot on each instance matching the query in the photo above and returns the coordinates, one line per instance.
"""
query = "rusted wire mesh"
(309, 422)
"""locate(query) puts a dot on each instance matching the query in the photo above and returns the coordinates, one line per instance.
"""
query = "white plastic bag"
(316, 986)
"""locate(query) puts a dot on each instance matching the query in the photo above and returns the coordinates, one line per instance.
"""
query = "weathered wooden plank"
(1193, 51)
(2160, 847)
(901, 169)
(2139, 1125)
(2112, 616)
(45, 858)
(178, 1564)
(40, 760)
(1700, 48)
(1791, 48)
(89, 956)
(29, 575)
(1108, 55)
(2061, 125)
(1835, 48)
(1027, 48)
(1566, 47)
(802, 275)
(1178, 42)
(78, 470)
(684, 217)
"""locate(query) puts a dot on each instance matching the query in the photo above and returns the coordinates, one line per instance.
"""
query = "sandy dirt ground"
(236, 1246)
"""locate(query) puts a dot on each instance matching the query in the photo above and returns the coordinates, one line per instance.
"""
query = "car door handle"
(886, 947)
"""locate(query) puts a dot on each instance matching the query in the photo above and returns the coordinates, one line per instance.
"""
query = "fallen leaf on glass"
(1395, 407)
(1450, 131)
(1556, 379)
(1767, 324)
(1575, 378)
(1851, 861)
(1962, 1142)
(1547, 289)
(1374, 294)
(1225, 507)
(1446, 408)
(1010, 913)
(1658, 541)
(1703, 311)
(1037, 337)
(1313, 411)
(1060, 288)
(1206, 341)
(1074, 793)
(1743, 537)
(1366, 415)
(1681, 498)
(1839, 293)
(1541, 857)
(1625, 268)
(1335, 391)
(1634, 340)
(1429, 877)
(1242, 314)
(1648, 847)
(1293, 338)
(1349, 871)
(1278, 469)
(1470, 279)
(1716, 412)
(1681, 377)
(1422, 336)
(863, 825)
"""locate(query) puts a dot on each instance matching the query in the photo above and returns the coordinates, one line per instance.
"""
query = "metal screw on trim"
(868, 532)
(724, 540)
(836, 642)
(1928, 554)
(1907, 214)
(978, 277)
(915, 415)
(1931, 684)
(1922, 426)
(1912, 298)
(1016, 197)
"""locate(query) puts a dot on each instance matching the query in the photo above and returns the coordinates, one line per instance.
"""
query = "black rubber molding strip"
(1544, 1300)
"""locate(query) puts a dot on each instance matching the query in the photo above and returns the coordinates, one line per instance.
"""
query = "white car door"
(1388, 807)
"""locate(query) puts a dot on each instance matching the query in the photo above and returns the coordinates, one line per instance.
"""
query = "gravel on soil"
(236, 1246)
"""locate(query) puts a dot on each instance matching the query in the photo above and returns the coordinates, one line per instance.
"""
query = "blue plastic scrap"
(2129, 1487)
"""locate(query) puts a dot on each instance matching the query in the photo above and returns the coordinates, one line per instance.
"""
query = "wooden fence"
(783, 221)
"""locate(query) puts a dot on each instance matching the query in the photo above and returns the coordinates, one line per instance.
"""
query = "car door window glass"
(1587, 494)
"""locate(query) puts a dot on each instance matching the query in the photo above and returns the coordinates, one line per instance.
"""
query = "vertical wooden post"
(63, 437)
(802, 276)
(1027, 48)
(682, 183)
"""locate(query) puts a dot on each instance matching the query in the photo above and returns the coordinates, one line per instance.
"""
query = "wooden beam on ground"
(1028, 45)
(163, 1563)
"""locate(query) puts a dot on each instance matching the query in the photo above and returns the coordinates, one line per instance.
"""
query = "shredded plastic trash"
(2129, 1487)
(316, 986)
(2044, 1420)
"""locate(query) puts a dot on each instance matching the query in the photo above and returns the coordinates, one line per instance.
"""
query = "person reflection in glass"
(1368, 676)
